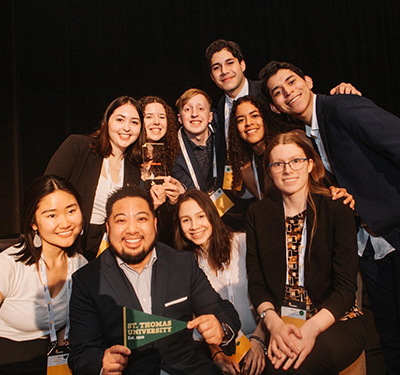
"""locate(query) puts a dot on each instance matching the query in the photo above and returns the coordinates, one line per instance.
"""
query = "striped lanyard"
(302, 252)
(189, 163)
(49, 302)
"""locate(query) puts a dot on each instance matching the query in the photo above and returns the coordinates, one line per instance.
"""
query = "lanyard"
(108, 173)
(50, 309)
(255, 171)
(189, 163)
(302, 252)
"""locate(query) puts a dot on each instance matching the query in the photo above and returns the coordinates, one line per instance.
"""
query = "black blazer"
(363, 145)
(78, 163)
(101, 289)
(330, 272)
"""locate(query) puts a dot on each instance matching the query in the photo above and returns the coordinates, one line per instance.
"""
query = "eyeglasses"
(295, 164)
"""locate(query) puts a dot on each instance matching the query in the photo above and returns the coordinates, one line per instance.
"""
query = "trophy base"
(149, 183)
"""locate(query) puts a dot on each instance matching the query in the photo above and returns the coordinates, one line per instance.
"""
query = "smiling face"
(132, 230)
(58, 219)
(195, 224)
(227, 72)
(123, 127)
(195, 116)
(250, 126)
(291, 94)
(155, 121)
(290, 182)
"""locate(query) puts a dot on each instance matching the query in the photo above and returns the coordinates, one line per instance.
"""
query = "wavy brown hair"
(102, 144)
(170, 138)
(316, 178)
(219, 251)
(239, 151)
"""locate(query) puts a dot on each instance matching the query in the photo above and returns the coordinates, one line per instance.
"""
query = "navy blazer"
(78, 163)
(363, 145)
(330, 266)
(180, 170)
(101, 289)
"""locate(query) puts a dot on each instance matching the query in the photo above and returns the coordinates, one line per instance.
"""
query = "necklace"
(115, 169)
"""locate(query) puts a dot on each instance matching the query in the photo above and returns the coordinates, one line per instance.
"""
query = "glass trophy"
(153, 167)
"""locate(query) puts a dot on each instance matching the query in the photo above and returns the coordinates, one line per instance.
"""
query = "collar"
(313, 130)
(149, 264)
(243, 92)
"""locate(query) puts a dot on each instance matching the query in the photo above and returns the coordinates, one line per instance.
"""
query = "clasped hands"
(290, 345)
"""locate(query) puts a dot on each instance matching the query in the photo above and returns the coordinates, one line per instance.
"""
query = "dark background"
(62, 62)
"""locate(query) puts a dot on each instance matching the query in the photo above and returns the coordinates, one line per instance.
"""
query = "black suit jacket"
(363, 145)
(78, 163)
(330, 265)
(101, 289)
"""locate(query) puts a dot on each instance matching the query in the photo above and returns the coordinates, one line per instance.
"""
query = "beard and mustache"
(131, 259)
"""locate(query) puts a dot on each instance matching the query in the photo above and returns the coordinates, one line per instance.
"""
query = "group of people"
(279, 262)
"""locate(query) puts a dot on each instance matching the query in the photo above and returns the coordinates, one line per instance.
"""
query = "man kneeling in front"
(139, 273)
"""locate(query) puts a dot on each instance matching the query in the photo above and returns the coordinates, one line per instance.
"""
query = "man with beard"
(139, 273)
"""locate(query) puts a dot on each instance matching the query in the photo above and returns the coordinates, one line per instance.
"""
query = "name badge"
(294, 313)
(57, 361)
(221, 201)
(228, 178)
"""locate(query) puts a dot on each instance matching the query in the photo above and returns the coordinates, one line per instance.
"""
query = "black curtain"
(64, 61)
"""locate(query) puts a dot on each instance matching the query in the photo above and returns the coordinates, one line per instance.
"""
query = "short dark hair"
(221, 44)
(102, 144)
(131, 191)
(37, 190)
(270, 70)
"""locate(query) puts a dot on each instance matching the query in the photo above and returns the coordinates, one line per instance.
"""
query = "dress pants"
(382, 280)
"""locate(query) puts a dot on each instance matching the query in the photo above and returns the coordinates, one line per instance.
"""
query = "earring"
(37, 241)
(82, 232)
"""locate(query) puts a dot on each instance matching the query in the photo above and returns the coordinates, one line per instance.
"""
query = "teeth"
(251, 131)
(289, 179)
(124, 136)
(198, 234)
(133, 241)
(65, 233)
(294, 99)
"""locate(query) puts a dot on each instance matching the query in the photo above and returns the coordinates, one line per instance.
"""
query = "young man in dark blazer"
(359, 144)
(139, 273)
(227, 66)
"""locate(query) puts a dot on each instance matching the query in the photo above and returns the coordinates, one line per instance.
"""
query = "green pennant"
(141, 328)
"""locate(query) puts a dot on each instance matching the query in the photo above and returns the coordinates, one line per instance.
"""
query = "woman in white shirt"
(35, 277)
(222, 256)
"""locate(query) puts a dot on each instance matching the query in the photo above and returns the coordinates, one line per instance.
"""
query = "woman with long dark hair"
(302, 264)
(221, 255)
(99, 163)
(35, 277)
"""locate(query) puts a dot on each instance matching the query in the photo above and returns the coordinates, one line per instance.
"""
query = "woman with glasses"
(302, 264)
(251, 127)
